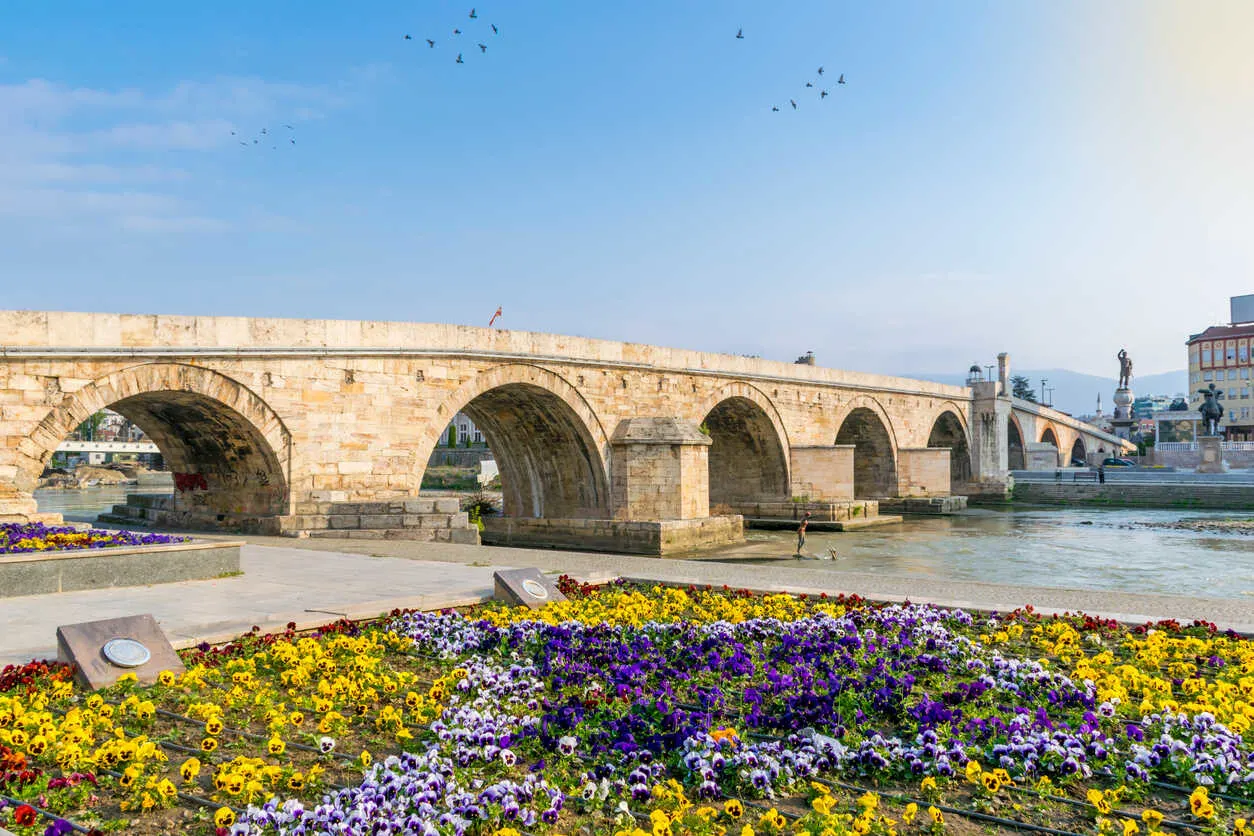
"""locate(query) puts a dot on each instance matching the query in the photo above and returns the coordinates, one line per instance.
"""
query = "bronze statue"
(1211, 409)
(1125, 369)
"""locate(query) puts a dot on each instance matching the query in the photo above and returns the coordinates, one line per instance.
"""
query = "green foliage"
(1021, 388)
(704, 428)
(88, 429)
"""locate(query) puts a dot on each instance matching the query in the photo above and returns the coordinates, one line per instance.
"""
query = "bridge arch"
(866, 425)
(549, 444)
(749, 456)
(1078, 450)
(234, 448)
(950, 430)
(1016, 459)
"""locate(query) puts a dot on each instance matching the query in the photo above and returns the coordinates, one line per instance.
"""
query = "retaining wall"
(44, 572)
(1115, 494)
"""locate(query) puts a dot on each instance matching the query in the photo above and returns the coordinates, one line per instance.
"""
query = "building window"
(1231, 354)
(1206, 376)
(1193, 356)
(1245, 412)
(1245, 373)
(1243, 353)
(1205, 356)
(478, 436)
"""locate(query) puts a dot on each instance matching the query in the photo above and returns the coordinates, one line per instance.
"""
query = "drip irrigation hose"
(1075, 802)
(1185, 791)
(199, 801)
(17, 802)
(957, 811)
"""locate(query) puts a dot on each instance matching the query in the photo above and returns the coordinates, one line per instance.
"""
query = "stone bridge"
(281, 424)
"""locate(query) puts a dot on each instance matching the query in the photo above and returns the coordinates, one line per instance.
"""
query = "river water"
(85, 504)
(1064, 547)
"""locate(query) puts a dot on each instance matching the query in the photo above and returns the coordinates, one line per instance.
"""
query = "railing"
(1191, 446)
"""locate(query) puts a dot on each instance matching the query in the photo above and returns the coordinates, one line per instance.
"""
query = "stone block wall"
(923, 472)
(655, 538)
(823, 473)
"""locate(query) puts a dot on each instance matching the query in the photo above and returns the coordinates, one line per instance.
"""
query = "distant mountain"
(1076, 392)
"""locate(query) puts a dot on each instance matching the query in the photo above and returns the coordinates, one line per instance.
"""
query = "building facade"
(1221, 355)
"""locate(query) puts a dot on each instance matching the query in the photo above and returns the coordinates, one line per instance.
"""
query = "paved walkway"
(279, 585)
(789, 575)
(314, 581)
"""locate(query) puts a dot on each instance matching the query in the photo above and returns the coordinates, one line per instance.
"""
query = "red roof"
(1219, 332)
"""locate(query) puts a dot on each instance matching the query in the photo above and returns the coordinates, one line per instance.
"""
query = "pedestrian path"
(278, 585)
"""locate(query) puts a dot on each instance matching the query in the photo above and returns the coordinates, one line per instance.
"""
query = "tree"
(87, 430)
(1021, 388)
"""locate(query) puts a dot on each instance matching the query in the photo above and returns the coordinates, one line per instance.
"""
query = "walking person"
(801, 532)
(1101, 474)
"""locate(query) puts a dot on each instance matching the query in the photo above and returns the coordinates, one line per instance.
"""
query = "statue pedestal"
(1122, 421)
(1211, 453)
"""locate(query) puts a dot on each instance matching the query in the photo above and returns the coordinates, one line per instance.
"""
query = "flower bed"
(654, 711)
(25, 538)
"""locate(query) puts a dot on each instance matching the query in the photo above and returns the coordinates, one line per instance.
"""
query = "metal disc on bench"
(527, 587)
(126, 653)
(103, 651)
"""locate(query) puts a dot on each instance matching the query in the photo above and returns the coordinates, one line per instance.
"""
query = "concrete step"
(464, 536)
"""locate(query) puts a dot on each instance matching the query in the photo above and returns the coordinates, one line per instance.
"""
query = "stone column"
(659, 470)
(923, 471)
(824, 474)
(989, 422)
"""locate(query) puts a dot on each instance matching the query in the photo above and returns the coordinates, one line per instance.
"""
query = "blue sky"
(1054, 179)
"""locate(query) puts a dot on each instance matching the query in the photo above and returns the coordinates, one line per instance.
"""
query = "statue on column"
(1125, 369)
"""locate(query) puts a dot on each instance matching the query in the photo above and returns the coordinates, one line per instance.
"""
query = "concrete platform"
(279, 585)
(775, 524)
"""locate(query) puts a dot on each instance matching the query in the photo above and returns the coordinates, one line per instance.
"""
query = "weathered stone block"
(382, 520)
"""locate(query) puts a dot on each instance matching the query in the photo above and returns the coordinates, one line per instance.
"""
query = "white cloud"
(69, 153)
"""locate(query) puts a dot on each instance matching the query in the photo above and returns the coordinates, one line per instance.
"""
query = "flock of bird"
(812, 85)
(457, 33)
(267, 137)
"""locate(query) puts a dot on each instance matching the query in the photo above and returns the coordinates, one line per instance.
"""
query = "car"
(1113, 462)
(1079, 463)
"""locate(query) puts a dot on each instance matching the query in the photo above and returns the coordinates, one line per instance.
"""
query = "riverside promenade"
(312, 582)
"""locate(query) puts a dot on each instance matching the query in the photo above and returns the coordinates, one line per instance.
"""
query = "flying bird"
(430, 43)
(409, 37)
(263, 130)
(820, 71)
(242, 142)
(793, 102)
(289, 127)
(472, 14)
(293, 142)
(740, 33)
(232, 133)
(483, 47)
(774, 109)
(809, 84)
(494, 29)
(457, 31)
(823, 95)
(459, 59)
(841, 80)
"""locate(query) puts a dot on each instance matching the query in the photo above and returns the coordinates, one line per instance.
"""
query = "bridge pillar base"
(20, 507)
(923, 472)
(655, 538)
(823, 474)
